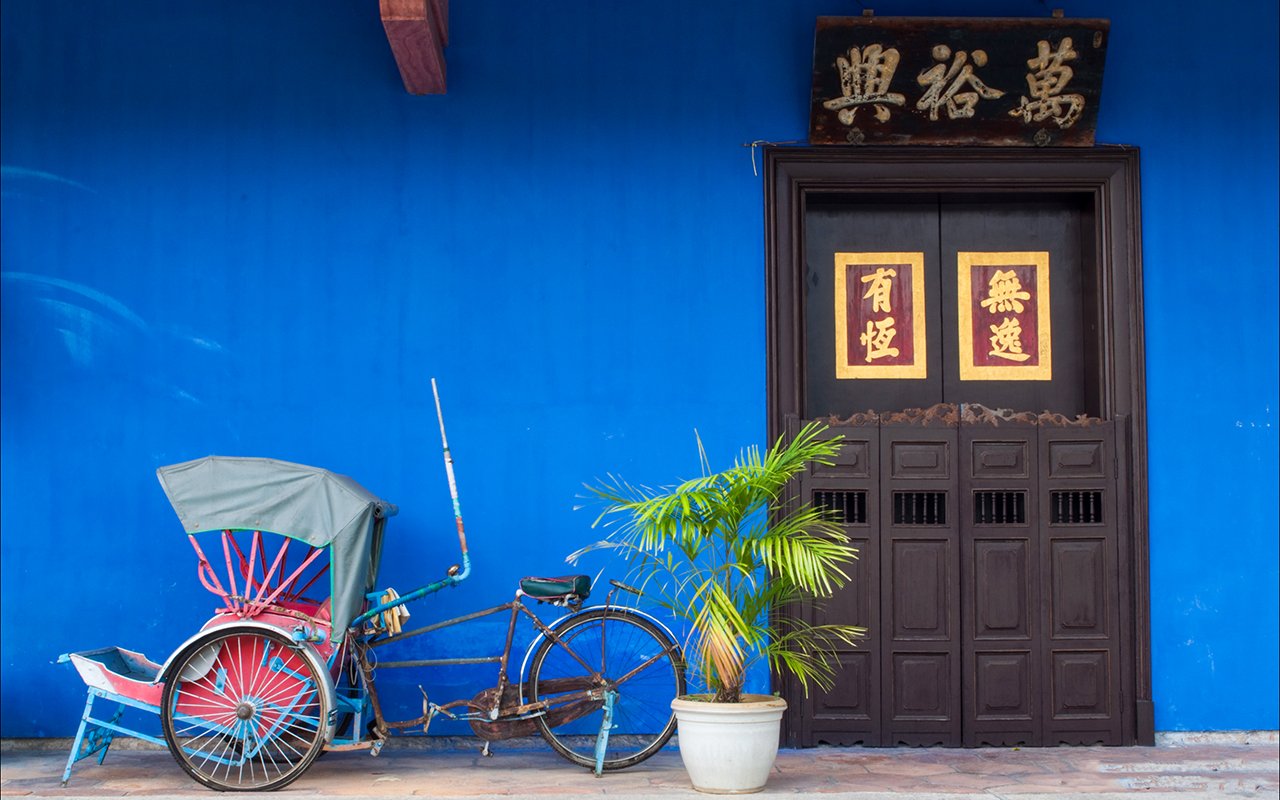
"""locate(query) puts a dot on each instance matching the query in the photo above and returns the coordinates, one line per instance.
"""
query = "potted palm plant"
(722, 553)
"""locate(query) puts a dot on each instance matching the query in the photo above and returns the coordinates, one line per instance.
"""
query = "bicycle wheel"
(244, 711)
(633, 657)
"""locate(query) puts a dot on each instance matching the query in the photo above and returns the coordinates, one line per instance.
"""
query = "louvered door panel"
(850, 712)
(1079, 571)
(1000, 575)
(920, 576)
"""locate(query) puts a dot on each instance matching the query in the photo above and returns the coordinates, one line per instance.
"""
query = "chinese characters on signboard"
(879, 300)
(1003, 316)
(1003, 310)
(956, 81)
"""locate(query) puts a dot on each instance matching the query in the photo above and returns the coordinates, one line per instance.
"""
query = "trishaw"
(285, 668)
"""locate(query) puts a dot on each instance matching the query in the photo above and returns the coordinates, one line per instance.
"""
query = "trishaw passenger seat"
(543, 588)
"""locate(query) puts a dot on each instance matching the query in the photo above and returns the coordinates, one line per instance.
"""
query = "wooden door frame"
(1108, 178)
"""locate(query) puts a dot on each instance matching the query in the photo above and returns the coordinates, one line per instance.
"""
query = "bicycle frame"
(577, 696)
(498, 710)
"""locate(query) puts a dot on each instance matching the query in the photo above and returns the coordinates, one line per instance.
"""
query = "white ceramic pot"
(729, 748)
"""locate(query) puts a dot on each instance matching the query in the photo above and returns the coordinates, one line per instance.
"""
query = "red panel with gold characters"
(1004, 316)
(879, 307)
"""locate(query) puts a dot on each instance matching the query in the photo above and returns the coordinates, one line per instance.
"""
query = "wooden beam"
(418, 30)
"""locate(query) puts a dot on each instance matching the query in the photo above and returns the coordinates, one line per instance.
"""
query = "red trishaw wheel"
(244, 710)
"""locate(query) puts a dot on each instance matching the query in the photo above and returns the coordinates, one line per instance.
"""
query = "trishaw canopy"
(308, 504)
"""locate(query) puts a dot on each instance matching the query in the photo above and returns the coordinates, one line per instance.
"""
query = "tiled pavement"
(1167, 772)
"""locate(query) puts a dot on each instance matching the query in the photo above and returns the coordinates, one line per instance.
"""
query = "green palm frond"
(806, 651)
(725, 549)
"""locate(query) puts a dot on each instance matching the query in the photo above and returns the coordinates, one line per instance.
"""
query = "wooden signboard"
(929, 80)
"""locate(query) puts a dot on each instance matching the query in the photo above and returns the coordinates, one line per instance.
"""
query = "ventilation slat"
(847, 507)
(919, 508)
(999, 507)
(1076, 507)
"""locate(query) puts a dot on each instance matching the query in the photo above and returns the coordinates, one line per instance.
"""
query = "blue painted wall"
(227, 229)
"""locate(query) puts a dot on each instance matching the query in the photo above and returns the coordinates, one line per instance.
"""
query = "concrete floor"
(1179, 771)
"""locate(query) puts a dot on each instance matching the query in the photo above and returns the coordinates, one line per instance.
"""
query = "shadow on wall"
(63, 332)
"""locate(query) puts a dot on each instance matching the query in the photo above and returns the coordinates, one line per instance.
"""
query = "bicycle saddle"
(543, 588)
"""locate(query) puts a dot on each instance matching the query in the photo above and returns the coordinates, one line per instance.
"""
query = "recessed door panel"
(850, 699)
(1078, 577)
(1081, 685)
(1000, 598)
(1002, 686)
(853, 461)
(921, 590)
(1001, 332)
(920, 687)
(920, 460)
(1076, 459)
(999, 459)
(905, 224)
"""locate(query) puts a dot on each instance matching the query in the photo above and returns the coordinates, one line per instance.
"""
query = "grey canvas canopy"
(311, 505)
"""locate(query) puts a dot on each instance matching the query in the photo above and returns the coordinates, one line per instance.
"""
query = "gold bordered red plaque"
(879, 308)
(1004, 316)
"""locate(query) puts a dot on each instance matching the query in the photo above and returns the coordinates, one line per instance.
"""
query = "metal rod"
(550, 634)
(205, 572)
(366, 677)
(506, 648)
(248, 570)
(296, 575)
(439, 662)
(231, 573)
(416, 594)
(435, 626)
(266, 580)
(314, 553)
(653, 659)
(262, 558)
(239, 553)
(448, 469)
(314, 578)
(409, 723)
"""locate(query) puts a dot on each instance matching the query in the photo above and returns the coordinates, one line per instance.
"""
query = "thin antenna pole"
(448, 469)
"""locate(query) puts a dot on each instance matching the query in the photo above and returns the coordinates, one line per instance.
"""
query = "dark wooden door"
(1006, 591)
(987, 577)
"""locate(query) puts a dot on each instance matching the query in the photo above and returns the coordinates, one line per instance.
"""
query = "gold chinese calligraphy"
(880, 315)
(1004, 324)
(956, 81)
